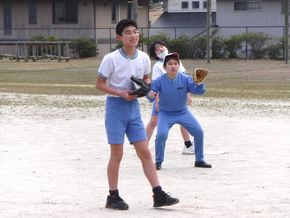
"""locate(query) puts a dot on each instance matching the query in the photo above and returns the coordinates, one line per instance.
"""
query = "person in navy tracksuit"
(172, 89)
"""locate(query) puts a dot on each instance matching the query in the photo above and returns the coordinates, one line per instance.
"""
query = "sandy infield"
(53, 161)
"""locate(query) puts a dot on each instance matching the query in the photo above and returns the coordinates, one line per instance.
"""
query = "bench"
(37, 50)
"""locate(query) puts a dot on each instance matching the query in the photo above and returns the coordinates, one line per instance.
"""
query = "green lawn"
(263, 79)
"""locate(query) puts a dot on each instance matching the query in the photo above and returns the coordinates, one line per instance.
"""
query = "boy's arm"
(154, 90)
(102, 86)
(199, 89)
(194, 88)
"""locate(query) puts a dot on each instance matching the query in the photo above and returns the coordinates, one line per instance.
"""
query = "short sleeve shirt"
(116, 68)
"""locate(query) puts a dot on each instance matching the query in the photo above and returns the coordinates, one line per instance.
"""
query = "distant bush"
(41, 37)
(218, 47)
(200, 47)
(183, 45)
(275, 48)
(261, 45)
(160, 37)
(257, 42)
(84, 47)
(232, 45)
(38, 37)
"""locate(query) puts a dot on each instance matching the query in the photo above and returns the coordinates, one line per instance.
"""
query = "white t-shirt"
(158, 69)
(116, 68)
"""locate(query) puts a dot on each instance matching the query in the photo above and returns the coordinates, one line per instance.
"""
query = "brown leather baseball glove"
(199, 75)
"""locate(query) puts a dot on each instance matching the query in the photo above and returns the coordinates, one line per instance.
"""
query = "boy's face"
(172, 67)
(129, 37)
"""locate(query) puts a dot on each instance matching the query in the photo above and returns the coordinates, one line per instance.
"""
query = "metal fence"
(105, 37)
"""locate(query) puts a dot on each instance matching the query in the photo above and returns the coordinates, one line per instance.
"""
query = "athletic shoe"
(188, 151)
(202, 164)
(163, 199)
(158, 166)
(116, 202)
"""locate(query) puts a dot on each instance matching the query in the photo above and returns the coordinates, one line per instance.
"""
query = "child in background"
(158, 50)
(172, 89)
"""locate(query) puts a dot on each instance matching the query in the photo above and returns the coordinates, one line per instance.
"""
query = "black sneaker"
(158, 166)
(202, 164)
(116, 202)
(163, 199)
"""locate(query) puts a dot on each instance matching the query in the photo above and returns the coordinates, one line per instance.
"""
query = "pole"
(209, 39)
(94, 16)
(135, 4)
(286, 44)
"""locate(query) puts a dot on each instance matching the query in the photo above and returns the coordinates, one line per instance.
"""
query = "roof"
(155, 13)
(189, 19)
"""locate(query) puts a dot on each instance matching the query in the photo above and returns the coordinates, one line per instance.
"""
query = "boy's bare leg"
(185, 134)
(151, 126)
(113, 166)
(160, 198)
(145, 156)
(114, 201)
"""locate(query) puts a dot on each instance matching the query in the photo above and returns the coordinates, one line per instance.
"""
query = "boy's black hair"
(174, 56)
(152, 48)
(122, 24)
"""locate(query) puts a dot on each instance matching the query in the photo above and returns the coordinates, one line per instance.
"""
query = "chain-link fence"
(106, 42)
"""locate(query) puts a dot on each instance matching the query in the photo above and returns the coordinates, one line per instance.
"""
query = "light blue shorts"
(123, 117)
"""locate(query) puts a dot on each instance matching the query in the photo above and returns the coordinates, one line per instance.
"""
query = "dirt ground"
(53, 161)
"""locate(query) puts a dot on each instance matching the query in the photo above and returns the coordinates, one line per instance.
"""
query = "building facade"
(177, 6)
(68, 19)
(183, 17)
(237, 16)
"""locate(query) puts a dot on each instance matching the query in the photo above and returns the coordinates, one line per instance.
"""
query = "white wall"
(175, 6)
(270, 15)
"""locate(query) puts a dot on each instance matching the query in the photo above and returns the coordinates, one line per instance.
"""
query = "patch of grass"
(261, 79)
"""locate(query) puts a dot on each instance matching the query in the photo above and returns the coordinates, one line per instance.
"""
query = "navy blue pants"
(185, 118)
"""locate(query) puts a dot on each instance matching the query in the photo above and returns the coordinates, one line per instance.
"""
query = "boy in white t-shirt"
(123, 116)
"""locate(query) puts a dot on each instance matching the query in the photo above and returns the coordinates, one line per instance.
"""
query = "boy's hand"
(126, 95)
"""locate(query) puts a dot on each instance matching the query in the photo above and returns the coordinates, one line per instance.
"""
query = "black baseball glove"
(143, 89)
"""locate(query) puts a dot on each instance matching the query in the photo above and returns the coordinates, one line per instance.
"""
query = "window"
(240, 6)
(7, 17)
(140, 3)
(195, 5)
(130, 9)
(184, 5)
(204, 4)
(32, 12)
(248, 5)
(65, 12)
(114, 12)
(284, 7)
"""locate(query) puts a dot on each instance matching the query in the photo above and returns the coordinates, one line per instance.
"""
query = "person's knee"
(199, 132)
(161, 136)
(116, 156)
(153, 123)
(144, 153)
